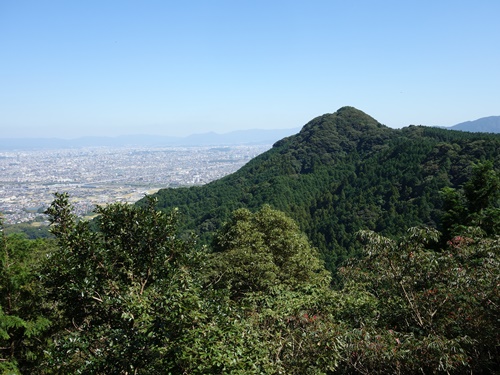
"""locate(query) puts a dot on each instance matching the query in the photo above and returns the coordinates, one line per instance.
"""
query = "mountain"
(252, 136)
(342, 172)
(486, 125)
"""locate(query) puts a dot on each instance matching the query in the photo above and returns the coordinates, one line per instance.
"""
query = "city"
(103, 175)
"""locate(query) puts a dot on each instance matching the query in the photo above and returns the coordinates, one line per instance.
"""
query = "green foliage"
(282, 334)
(23, 322)
(477, 203)
(483, 189)
(264, 252)
(123, 295)
(270, 302)
(134, 297)
(29, 230)
(133, 292)
(422, 311)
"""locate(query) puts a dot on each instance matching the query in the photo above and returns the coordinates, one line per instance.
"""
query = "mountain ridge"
(490, 124)
(241, 137)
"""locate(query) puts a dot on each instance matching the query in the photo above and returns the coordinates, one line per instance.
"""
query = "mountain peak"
(338, 133)
(330, 138)
(344, 119)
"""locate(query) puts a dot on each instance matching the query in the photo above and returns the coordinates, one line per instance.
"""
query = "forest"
(349, 248)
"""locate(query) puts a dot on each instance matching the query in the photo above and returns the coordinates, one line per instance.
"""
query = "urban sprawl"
(99, 176)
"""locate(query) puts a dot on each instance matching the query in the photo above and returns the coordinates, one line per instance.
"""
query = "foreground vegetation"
(135, 297)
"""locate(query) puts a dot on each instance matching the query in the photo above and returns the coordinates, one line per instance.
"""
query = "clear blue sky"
(74, 68)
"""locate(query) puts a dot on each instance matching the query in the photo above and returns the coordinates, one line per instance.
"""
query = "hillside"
(341, 173)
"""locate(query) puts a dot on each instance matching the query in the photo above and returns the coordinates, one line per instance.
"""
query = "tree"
(476, 204)
(23, 324)
(415, 310)
(273, 301)
(483, 188)
(123, 295)
(265, 252)
(134, 298)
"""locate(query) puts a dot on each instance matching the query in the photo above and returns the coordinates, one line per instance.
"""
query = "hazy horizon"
(76, 69)
(208, 131)
(154, 135)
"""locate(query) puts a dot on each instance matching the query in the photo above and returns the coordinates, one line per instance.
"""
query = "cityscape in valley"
(102, 175)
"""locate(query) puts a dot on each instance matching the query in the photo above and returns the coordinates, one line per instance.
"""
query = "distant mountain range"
(484, 125)
(253, 136)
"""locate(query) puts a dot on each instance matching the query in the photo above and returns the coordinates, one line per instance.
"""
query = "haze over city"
(72, 69)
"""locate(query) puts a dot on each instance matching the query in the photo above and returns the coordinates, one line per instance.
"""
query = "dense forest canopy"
(230, 278)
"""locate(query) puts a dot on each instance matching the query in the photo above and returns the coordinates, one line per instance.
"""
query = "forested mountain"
(341, 173)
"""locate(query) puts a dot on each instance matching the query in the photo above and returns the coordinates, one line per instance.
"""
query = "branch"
(412, 305)
(143, 284)
(97, 298)
(74, 325)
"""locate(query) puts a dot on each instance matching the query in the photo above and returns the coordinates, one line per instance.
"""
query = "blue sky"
(76, 68)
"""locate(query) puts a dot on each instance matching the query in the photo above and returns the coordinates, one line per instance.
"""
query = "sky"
(107, 68)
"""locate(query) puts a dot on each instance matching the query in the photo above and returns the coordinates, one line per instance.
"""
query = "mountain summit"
(334, 135)
(342, 172)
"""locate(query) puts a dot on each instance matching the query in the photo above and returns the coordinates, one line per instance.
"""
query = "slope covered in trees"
(341, 173)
